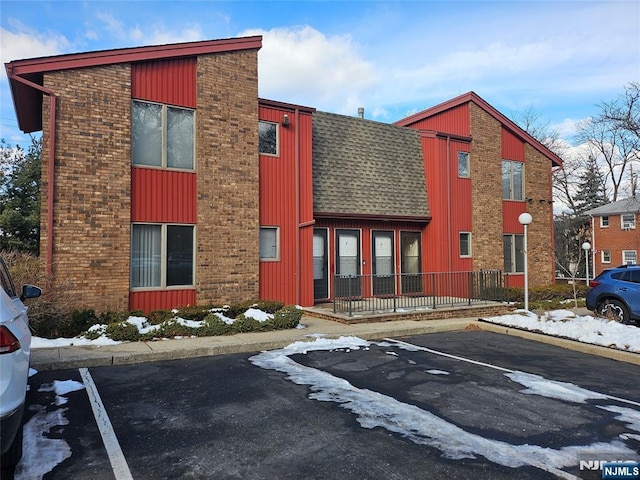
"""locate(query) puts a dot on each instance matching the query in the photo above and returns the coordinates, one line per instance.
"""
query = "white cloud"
(22, 42)
(302, 65)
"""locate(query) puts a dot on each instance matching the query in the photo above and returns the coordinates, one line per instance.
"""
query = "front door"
(383, 263)
(348, 263)
(411, 262)
(320, 265)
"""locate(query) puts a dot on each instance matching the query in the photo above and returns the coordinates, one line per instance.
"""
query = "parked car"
(15, 352)
(616, 292)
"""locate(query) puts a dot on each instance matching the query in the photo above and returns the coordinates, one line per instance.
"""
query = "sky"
(559, 59)
(376, 410)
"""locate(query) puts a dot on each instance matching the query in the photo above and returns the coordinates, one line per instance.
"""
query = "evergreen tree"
(20, 197)
(591, 191)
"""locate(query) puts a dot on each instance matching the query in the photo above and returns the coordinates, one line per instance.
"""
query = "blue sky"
(560, 58)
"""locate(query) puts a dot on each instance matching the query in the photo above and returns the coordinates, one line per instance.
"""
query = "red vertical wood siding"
(163, 196)
(286, 201)
(151, 300)
(510, 213)
(165, 81)
(460, 208)
(512, 146)
(455, 121)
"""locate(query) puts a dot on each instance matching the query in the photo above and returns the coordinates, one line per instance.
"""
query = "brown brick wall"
(614, 239)
(486, 197)
(92, 184)
(539, 238)
(486, 174)
(227, 169)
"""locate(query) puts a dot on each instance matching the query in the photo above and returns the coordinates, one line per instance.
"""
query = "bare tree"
(624, 111)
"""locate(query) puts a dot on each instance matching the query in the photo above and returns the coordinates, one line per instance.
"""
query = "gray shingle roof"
(628, 205)
(367, 168)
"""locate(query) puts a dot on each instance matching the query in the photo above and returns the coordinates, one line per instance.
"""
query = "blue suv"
(616, 292)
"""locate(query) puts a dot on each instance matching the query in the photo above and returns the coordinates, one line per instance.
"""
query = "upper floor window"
(628, 220)
(268, 141)
(604, 221)
(512, 180)
(162, 135)
(464, 169)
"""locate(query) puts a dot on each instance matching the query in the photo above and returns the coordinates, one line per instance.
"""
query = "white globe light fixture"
(586, 246)
(525, 219)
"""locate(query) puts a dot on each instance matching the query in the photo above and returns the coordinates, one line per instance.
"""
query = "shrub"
(245, 324)
(195, 313)
(157, 317)
(213, 325)
(286, 317)
(122, 332)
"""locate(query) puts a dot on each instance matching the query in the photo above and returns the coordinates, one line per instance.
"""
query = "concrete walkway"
(170, 349)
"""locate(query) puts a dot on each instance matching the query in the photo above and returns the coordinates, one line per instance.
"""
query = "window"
(463, 165)
(6, 281)
(604, 221)
(269, 243)
(512, 180)
(513, 253)
(606, 256)
(628, 220)
(161, 255)
(162, 136)
(629, 257)
(268, 133)
(465, 244)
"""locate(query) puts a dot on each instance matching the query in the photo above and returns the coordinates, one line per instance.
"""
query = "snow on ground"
(566, 324)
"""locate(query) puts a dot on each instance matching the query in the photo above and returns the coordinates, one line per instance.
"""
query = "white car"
(15, 352)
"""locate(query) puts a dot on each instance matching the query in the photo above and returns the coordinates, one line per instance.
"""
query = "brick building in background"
(615, 236)
(167, 182)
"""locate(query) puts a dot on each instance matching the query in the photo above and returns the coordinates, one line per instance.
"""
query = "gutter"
(51, 160)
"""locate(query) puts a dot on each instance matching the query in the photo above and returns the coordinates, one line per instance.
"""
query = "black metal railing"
(409, 291)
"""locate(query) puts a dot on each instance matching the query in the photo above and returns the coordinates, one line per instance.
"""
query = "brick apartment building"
(166, 182)
(615, 236)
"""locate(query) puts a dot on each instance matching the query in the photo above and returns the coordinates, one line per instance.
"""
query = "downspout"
(51, 172)
(449, 202)
(297, 174)
(593, 246)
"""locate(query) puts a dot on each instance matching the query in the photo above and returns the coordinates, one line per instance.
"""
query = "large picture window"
(162, 136)
(161, 255)
(268, 137)
(512, 180)
(513, 253)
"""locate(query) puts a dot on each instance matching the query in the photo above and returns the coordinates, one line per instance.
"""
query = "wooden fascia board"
(371, 217)
(263, 102)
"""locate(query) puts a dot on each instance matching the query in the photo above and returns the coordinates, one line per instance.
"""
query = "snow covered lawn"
(566, 324)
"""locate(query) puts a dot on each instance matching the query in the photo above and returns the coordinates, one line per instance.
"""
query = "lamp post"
(525, 219)
(586, 246)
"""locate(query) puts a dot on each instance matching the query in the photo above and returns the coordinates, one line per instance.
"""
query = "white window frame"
(164, 259)
(163, 160)
(469, 236)
(276, 258)
(511, 182)
(467, 160)
(604, 223)
(605, 256)
(629, 262)
(277, 130)
(629, 224)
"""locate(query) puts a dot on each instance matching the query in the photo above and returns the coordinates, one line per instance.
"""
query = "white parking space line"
(116, 457)
(411, 346)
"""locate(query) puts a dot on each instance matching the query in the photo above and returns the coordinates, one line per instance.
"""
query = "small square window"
(464, 170)
(465, 244)
(606, 256)
(268, 141)
(604, 221)
(269, 243)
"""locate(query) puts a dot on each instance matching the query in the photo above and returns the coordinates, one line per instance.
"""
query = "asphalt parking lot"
(454, 405)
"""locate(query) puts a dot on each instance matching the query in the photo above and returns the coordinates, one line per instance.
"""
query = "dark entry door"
(383, 263)
(348, 263)
(320, 265)
(411, 262)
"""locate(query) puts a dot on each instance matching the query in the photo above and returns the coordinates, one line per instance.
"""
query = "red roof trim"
(134, 54)
(475, 98)
(263, 102)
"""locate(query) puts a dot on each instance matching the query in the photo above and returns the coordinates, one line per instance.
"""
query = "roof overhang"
(506, 122)
(28, 101)
(371, 217)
